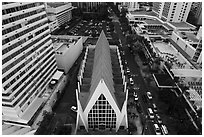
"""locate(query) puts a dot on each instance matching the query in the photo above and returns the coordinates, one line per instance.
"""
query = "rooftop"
(102, 63)
(164, 81)
(182, 25)
(190, 37)
(63, 42)
(143, 13)
(152, 22)
(187, 73)
(56, 4)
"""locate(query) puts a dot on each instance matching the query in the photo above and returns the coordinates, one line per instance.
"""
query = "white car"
(157, 129)
(164, 130)
(73, 108)
(158, 119)
(136, 96)
(155, 108)
(150, 113)
(131, 81)
(149, 95)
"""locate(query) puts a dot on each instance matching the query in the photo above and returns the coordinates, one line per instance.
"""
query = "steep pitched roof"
(102, 65)
(102, 68)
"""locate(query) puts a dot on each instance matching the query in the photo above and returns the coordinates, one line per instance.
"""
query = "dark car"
(138, 107)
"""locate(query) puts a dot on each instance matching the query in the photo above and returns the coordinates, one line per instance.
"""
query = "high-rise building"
(28, 60)
(195, 15)
(102, 94)
(60, 11)
(89, 6)
(172, 11)
(131, 6)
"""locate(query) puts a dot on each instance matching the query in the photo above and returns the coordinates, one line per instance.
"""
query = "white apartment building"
(60, 10)
(172, 11)
(132, 6)
(28, 60)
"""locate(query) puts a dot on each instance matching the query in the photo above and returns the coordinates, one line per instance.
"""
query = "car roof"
(156, 125)
(150, 110)
(164, 128)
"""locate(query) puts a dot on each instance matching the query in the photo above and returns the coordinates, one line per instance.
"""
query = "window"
(102, 115)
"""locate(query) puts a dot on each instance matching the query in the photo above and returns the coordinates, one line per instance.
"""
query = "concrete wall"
(53, 25)
(200, 58)
(58, 9)
(183, 44)
(66, 61)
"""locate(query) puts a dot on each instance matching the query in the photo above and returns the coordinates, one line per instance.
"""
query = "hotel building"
(131, 6)
(28, 60)
(89, 6)
(60, 11)
(172, 11)
(101, 94)
(196, 13)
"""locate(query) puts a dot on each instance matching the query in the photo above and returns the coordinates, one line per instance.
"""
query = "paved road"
(138, 79)
(63, 113)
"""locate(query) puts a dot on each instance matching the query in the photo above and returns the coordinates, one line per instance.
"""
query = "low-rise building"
(131, 6)
(67, 50)
(190, 41)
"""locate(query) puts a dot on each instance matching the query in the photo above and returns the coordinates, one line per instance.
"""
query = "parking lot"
(91, 28)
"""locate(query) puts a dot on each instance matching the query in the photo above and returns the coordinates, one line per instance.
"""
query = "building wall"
(28, 60)
(200, 58)
(53, 25)
(63, 13)
(66, 61)
(172, 11)
(182, 44)
(156, 7)
(132, 6)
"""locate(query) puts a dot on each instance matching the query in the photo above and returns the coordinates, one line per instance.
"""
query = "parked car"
(157, 129)
(136, 96)
(73, 108)
(131, 81)
(149, 95)
(128, 70)
(150, 113)
(158, 119)
(155, 108)
(164, 130)
(138, 107)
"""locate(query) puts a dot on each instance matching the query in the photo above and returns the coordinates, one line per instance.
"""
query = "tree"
(137, 46)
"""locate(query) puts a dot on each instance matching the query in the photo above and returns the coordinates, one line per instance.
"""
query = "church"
(101, 94)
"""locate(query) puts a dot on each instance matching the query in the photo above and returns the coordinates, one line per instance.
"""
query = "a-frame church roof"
(101, 70)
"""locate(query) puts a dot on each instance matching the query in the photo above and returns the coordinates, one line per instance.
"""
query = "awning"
(164, 81)
(187, 73)
(57, 75)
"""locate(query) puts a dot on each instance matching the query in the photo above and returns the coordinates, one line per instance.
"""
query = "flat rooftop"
(191, 37)
(143, 13)
(182, 25)
(56, 4)
(63, 42)
(169, 27)
(149, 22)
(164, 81)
